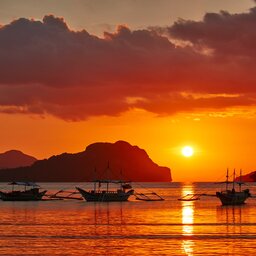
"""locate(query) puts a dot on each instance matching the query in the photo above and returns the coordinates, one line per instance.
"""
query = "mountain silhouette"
(15, 158)
(250, 177)
(118, 160)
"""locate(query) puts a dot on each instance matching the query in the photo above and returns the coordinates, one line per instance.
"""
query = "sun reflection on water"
(187, 219)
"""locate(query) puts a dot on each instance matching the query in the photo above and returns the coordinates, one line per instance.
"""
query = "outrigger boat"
(31, 192)
(233, 197)
(107, 195)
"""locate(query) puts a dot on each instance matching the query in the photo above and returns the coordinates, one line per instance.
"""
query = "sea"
(169, 227)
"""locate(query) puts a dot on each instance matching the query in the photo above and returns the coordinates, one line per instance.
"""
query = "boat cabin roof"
(24, 183)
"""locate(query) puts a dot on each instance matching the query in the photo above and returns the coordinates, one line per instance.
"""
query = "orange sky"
(188, 83)
(219, 142)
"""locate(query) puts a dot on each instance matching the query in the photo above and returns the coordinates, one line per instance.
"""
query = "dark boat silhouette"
(30, 192)
(107, 195)
(231, 196)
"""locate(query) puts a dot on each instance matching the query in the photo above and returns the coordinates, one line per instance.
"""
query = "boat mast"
(227, 180)
(108, 175)
(240, 183)
(234, 176)
(95, 173)
(121, 178)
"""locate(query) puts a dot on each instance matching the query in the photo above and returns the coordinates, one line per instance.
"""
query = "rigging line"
(137, 183)
(145, 187)
(67, 189)
(221, 178)
(122, 177)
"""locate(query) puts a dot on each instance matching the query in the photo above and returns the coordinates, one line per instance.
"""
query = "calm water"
(169, 227)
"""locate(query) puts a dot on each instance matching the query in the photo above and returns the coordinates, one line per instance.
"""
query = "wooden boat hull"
(28, 195)
(104, 196)
(233, 198)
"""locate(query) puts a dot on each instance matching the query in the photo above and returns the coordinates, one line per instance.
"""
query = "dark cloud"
(46, 68)
(229, 35)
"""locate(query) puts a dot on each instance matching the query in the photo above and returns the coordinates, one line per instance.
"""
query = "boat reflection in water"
(187, 219)
(230, 215)
(234, 218)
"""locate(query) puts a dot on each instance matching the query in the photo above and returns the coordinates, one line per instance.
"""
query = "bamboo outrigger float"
(191, 197)
(64, 194)
(149, 196)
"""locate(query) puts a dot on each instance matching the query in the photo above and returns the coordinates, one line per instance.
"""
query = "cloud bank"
(46, 68)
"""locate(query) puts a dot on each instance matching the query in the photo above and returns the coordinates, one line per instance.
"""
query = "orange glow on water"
(133, 227)
(187, 219)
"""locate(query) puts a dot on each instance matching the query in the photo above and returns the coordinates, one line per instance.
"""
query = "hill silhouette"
(125, 162)
(250, 177)
(15, 158)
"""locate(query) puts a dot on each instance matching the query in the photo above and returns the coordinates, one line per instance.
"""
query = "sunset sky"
(160, 74)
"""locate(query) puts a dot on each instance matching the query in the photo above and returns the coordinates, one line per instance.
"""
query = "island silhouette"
(15, 158)
(250, 177)
(101, 160)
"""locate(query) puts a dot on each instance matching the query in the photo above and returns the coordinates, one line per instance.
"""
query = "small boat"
(231, 196)
(107, 195)
(31, 192)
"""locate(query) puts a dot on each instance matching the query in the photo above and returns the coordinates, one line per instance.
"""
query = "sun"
(187, 151)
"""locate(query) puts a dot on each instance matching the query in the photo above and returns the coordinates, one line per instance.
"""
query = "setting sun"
(187, 151)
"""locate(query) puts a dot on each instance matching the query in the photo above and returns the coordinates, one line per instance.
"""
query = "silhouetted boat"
(31, 192)
(233, 197)
(107, 195)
